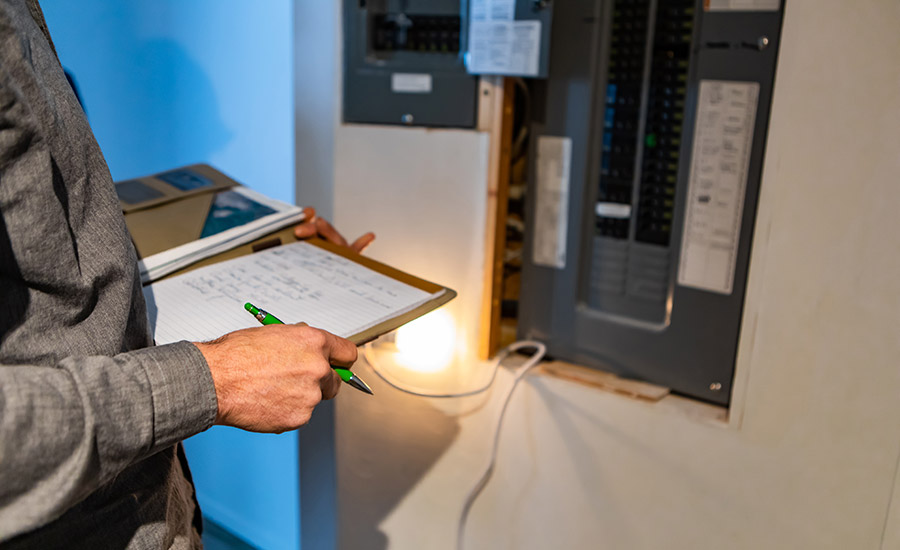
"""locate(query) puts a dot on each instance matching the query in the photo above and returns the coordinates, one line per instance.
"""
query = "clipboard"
(158, 209)
(286, 236)
(366, 336)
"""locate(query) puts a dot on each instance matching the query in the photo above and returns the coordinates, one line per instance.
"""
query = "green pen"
(267, 318)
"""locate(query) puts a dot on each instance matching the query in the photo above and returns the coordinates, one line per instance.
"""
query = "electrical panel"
(648, 140)
(404, 63)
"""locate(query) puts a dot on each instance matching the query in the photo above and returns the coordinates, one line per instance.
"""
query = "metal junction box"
(403, 64)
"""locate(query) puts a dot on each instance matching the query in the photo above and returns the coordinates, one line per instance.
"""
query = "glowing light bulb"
(426, 344)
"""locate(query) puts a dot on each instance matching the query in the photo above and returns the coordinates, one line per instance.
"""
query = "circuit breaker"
(403, 64)
(648, 149)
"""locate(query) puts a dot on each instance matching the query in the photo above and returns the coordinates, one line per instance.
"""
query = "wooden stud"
(606, 381)
(501, 126)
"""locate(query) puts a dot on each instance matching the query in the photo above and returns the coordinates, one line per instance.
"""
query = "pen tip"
(360, 385)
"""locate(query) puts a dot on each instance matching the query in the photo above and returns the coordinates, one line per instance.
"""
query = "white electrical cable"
(540, 351)
(368, 353)
(532, 362)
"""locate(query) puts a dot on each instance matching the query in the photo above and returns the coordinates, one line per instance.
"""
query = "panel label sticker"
(411, 83)
(741, 5)
(551, 215)
(615, 210)
(723, 137)
(497, 10)
(504, 47)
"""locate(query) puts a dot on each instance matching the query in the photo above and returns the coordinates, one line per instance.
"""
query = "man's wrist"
(184, 397)
(210, 352)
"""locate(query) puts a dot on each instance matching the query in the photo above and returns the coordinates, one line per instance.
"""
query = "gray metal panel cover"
(691, 346)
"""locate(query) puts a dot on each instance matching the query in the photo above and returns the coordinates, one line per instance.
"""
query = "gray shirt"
(90, 413)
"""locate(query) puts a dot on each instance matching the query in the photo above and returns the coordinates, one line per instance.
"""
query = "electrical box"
(648, 145)
(404, 64)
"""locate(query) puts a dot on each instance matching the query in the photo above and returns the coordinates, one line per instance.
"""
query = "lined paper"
(294, 282)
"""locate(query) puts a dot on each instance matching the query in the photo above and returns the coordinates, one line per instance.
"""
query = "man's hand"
(269, 379)
(319, 227)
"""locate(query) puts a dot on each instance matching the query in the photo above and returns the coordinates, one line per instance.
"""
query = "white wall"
(810, 460)
(423, 192)
(317, 68)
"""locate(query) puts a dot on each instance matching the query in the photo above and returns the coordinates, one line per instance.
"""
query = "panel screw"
(407, 118)
(715, 386)
(762, 43)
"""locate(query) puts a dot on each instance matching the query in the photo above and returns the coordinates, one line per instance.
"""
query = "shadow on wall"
(169, 111)
(398, 438)
(164, 112)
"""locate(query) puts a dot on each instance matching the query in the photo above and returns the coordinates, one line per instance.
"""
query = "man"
(91, 414)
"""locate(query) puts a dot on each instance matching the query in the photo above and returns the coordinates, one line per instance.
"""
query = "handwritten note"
(295, 282)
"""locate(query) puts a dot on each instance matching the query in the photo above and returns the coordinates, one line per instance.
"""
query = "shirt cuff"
(184, 397)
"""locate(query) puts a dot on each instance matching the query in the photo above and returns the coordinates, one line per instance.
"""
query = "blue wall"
(167, 83)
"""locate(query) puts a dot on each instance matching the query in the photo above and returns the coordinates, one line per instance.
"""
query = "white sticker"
(411, 83)
(502, 10)
(552, 202)
(492, 10)
(613, 210)
(742, 5)
(504, 47)
(723, 137)
(479, 9)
